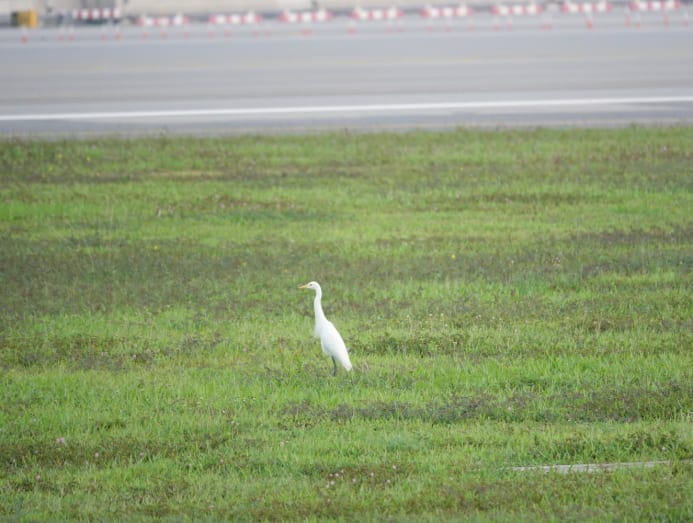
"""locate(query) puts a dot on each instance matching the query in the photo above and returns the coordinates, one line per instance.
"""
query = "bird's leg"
(334, 363)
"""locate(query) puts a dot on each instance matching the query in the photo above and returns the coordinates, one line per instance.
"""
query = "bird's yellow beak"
(304, 286)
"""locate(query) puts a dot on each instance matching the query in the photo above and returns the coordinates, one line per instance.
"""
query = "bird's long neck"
(317, 306)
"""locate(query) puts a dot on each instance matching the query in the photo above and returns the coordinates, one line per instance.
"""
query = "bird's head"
(310, 285)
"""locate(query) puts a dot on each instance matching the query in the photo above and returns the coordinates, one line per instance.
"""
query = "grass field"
(509, 298)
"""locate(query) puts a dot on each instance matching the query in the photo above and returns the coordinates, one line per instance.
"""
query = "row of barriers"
(393, 14)
(502, 18)
(115, 15)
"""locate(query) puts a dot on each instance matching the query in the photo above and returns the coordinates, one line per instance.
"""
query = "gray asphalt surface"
(370, 76)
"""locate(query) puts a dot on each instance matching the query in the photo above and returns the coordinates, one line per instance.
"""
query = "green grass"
(509, 298)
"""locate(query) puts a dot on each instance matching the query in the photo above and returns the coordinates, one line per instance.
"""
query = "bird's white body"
(330, 339)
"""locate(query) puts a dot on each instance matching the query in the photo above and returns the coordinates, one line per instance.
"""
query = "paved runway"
(556, 71)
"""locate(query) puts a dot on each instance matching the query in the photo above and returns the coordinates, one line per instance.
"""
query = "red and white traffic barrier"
(517, 10)
(509, 11)
(250, 18)
(392, 15)
(461, 11)
(447, 14)
(306, 17)
(163, 23)
(654, 6)
(667, 5)
(361, 14)
(105, 14)
(585, 7)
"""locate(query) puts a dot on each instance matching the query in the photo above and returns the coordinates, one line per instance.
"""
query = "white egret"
(330, 339)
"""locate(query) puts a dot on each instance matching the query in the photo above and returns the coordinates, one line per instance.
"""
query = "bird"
(330, 339)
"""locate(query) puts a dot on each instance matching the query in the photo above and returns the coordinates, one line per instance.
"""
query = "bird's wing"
(333, 344)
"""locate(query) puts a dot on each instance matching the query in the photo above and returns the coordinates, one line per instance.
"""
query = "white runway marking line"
(593, 467)
(320, 109)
